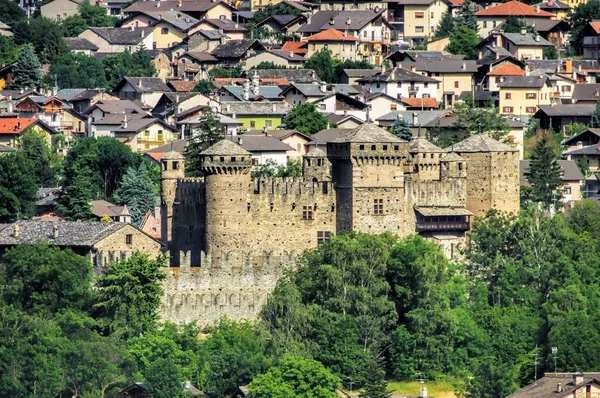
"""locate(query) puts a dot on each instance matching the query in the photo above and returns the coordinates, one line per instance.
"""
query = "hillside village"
(225, 140)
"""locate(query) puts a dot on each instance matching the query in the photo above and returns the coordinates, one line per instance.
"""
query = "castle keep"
(230, 236)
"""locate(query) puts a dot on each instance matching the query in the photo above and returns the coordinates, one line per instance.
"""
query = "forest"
(361, 310)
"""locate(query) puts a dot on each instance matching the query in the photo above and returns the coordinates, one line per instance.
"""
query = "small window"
(432, 15)
(530, 109)
(396, 147)
(175, 165)
(426, 96)
(323, 107)
(484, 24)
(419, 29)
(307, 213)
(164, 31)
(128, 239)
(373, 147)
(385, 147)
(567, 190)
(419, 15)
(252, 124)
(530, 95)
(268, 123)
(393, 107)
(323, 236)
(399, 84)
(507, 109)
(507, 96)
(377, 207)
(361, 147)
(456, 84)
(425, 85)
(233, 159)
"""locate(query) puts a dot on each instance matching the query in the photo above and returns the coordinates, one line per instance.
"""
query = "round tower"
(226, 167)
(172, 169)
(316, 166)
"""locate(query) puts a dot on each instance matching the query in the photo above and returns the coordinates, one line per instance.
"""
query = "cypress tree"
(27, 71)
(544, 172)
(595, 122)
(375, 384)
(137, 192)
(466, 15)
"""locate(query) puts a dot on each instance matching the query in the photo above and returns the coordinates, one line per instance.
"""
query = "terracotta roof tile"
(595, 26)
(182, 86)
(420, 102)
(297, 47)
(331, 35)
(513, 8)
(15, 125)
(507, 70)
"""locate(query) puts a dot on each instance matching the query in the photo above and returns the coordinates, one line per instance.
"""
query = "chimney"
(597, 93)
(16, 231)
(179, 3)
(240, 140)
(415, 119)
(537, 36)
(255, 82)
(274, 107)
(265, 133)
(537, 8)
(331, 21)
(323, 87)
(246, 90)
(55, 231)
(187, 383)
(569, 66)
(577, 377)
(291, 54)
(559, 387)
(523, 30)
(423, 391)
(400, 65)
(132, 28)
(228, 108)
(124, 124)
(413, 68)
(157, 3)
(142, 33)
(464, 66)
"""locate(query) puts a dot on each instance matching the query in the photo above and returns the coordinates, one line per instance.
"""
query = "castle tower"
(425, 159)
(368, 168)
(226, 167)
(172, 169)
(316, 166)
(452, 166)
(492, 174)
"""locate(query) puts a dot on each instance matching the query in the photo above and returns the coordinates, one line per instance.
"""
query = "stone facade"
(231, 236)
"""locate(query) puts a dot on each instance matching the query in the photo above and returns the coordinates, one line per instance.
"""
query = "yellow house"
(231, 29)
(523, 45)
(144, 134)
(257, 115)
(555, 7)
(521, 95)
(169, 32)
(12, 127)
(455, 76)
(419, 18)
(488, 19)
(341, 46)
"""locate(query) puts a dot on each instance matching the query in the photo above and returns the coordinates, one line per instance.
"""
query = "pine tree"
(375, 384)
(137, 192)
(544, 172)
(401, 129)
(595, 122)
(446, 25)
(463, 41)
(466, 15)
(27, 71)
(207, 133)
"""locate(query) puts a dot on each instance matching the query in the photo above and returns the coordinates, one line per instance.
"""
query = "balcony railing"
(442, 226)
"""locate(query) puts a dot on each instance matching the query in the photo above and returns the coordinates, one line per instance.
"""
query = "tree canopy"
(306, 119)
(544, 172)
(27, 70)
(207, 132)
(18, 187)
(463, 41)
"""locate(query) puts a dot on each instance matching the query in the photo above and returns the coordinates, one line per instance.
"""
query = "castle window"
(308, 162)
(325, 188)
(373, 147)
(175, 165)
(307, 213)
(128, 239)
(233, 159)
(361, 147)
(319, 162)
(222, 158)
(460, 166)
(322, 236)
(378, 206)
(385, 147)
(396, 147)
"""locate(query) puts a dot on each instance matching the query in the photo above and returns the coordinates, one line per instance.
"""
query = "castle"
(230, 236)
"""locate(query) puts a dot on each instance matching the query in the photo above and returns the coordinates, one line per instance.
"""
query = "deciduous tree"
(463, 41)
(306, 119)
(18, 188)
(76, 70)
(324, 65)
(37, 149)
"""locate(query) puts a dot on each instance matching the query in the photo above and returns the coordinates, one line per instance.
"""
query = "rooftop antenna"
(554, 356)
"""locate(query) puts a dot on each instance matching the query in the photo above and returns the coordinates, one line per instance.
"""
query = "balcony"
(423, 226)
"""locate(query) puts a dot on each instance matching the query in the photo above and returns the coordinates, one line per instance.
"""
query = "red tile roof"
(183, 86)
(15, 125)
(507, 70)
(595, 26)
(513, 8)
(297, 47)
(331, 35)
(420, 102)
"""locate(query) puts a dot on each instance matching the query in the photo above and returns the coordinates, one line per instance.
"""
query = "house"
(553, 30)
(591, 41)
(297, 47)
(145, 18)
(381, 103)
(101, 243)
(157, 153)
(249, 92)
(233, 30)
(102, 208)
(291, 75)
(257, 115)
(60, 9)
(170, 30)
(585, 138)
(73, 124)
(341, 104)
(401, 83)
(417, 119)
(295, 139)
(115, 7)
(586, 93)
(141, 134)
(523, 95)
(282, 24)
(351, 76)
(561, 385)
(103, 108)
(278, 57)
(205, 40)
(572, 178)
(489, 18)
(5, 30)
(6, 76)
(343, 47)
(356, 5)
(117, 40)
(399, 57)
(194, 66)
(558, 116)
(344, 121)
(497, 72)
(583, 151)
(371, 29)
(81, 45)
(455, 76)
(296, 93)
(194, 8)
(263, 148)
(148, 90)
(187, 122)
(555, 7)
(438, 43)
(47, 109)
(235, 52)
(583, 71)
(181, 86)
(12, 127)
(83, 99)
(171, 104)
(522, 45)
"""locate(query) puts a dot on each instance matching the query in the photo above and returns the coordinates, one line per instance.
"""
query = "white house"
(148, 90)
(263, 148)
(401, 83)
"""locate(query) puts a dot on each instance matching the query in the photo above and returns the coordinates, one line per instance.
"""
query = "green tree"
(573, 128)
(324, 65)
(513, 24)
(18, 188)
(96, 16)
(218, 72)
(584, 216)
(10, 12)
(268, 65)
(466, 16)
(137, 192)
(46, 36)
(544, 172)
(446, 25)
(138, 64)
(9, 51)
(74, 25)
(270, 168)
(204, 86)
(463, 41)
(295, 377)
(35, 146)
(375, 386)
(550, 52)
(76, 70)
(129, 295)
(401, 129)
(163, 379)
(44, 279)
(579, 18)
(27, 70)
(208, 132)
(595, 121)
(306, 119)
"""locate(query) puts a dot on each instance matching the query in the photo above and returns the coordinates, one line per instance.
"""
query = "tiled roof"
(552, 5)
(102, 207)
(340, 20)
(122, 35)
(15, 125)
(331, 35)
(183, 24)
(182, 86)
(136, 125)
(225, 24)
(443, 66)
(568, 109)
(201, 56)
(596, 26)
(423, 117)
(280, 134)
(177, 146)
(115, 119)
(368, 132)
(420, 102)
(235, 48)
(545, 387)
(116, 106)
(360, 72)
(589, 92)
(80, 43)
(213, 34)
(288, 55)
(183, 6)
(268, 92)
(242, 108)
(585, 150)
(70, 233)
(421, 145)
(145, 84)
(260, 143)
(523, 82)
(507, 70)
(225, 147)
(513, 8)
(297, 47)
(569, 171)
(528, 39)
(398, 75)
(481, 143)
(328, 135)
(291, 75)
(315, 153)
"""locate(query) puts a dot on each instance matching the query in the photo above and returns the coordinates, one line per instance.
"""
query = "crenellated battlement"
(284, 186)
